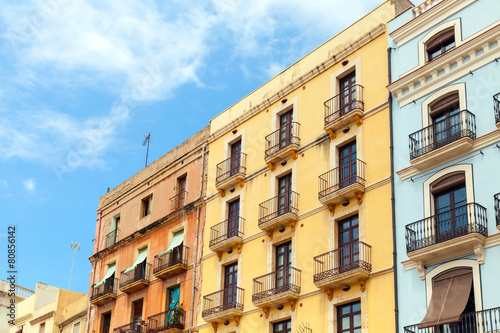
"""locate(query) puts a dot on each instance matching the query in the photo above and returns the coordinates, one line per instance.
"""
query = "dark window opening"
(147, 205)
(440, 44)
(347, 93)
(286, 129)
(347, 164)
(106, 322)
(230, 283)
(283, 326)
(283, 264)
(349, 318)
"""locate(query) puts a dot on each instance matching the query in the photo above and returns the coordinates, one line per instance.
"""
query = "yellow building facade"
(298, 233)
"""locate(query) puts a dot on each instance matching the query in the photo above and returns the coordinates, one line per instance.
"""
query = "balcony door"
(137, 315)
(347, 164)
(347, 93)
(286, 130)
(283, 263)
(176, 256)
(451, 211)
(181, 192)
(233, 221)
(349, 318)
(348, 243)
(106, 322)
(284, 194)
(283, 326)
(446, 122)
(230, 283)
(235, 158)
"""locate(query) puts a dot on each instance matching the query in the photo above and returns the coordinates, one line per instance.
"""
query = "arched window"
(441, 43)
(446, 118)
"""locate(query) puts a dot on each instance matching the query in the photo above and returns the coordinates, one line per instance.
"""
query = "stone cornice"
(429, 18)
(479, 143)
(320, 68)
(43, 318)
(462, 60)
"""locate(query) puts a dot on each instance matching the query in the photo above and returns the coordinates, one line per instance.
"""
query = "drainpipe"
(393, 200)
(93, 272)
(195, 259)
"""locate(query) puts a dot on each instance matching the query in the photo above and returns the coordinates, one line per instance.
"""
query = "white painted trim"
(422, 50)
(460, 87)
(353, 65)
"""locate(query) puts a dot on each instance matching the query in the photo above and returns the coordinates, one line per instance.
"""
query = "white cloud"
(4, 183)
(29, 184)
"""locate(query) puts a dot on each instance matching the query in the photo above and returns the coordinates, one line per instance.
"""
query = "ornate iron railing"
(178, 200)
(232, 227)
(336, 107)
(109, 287)
(340, 177)
(441, 133)
(284, 279)
(172, 318)
(461, 221)
(282, 138)
(473, 322)
(496, 107)
(178, 255)
(282, 204)
(140, 272)
(111, 238)
(133, 327)
(228, 298)
(344, 259)
(230, 167)
(497, 208)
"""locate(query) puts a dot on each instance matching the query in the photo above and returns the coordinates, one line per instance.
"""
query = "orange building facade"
(148, 232)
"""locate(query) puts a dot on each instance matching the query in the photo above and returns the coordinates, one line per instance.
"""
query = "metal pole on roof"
(73, 247)
(147, 151)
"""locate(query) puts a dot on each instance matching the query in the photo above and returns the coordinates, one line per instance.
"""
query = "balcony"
(226, 235)
(104, 293)
(473, 322)
(111, 238)
(339, 114)
(344, 182)
(282, 143)
(277, 287)
(496, 107)
(443, 140)
(170, 321)
(172, 263)
(136, 279)
(223, 305)
(134, 327)
(497, 209)
(448, 234)
(348, 264)
(178, 201)
(279, 211)
(231, 172)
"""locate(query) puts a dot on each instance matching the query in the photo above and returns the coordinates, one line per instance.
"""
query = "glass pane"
(346, 310)
(357, 320)
(346, 323)
(356, 307)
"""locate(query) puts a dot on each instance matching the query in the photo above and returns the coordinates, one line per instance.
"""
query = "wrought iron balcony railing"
(284, 279)
(179, 200)
(178, 255)
(173, 318)
(342, 176)
(282, 138)
(111, 238)
(225, 299)
(496, 107)
(497, 208)
(133, 327)
(461, 221)
(343, 259)
(336, 106)
(109, 287)
(282, 204)
(140, 272)
(232, 166)
(441, 133)
(232, 227)
(472, 322)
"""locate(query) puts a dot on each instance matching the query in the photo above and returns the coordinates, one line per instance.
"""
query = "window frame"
(146, 205)
(350, 315)
(456, 24)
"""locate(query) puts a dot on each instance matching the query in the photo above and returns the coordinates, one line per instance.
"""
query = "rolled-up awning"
(109, 272)
(176, 241)
(140, 258)
(450, 293)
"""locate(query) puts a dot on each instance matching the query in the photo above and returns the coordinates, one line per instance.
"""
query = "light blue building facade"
(445, 83)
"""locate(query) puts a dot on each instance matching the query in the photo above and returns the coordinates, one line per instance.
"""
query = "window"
(285, 194)
(177, 247)
(446, 119)
(107, 283)
(347, 165)
(147, 205)
(76, 328)
(235, 158)
(111, 238)
(283, 264)
(137, 314)
(106, 322)
(181, 192)
(349, 318)
(230, 283)
(441, 43)
(348, 243)
(347, 87)
(283, 326)
(233, 218)
(42, 328)
(286, 129)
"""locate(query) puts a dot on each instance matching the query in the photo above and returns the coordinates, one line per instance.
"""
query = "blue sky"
(83, 82)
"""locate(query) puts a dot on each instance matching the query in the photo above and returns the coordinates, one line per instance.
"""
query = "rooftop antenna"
(73, 247)
(144, 143)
